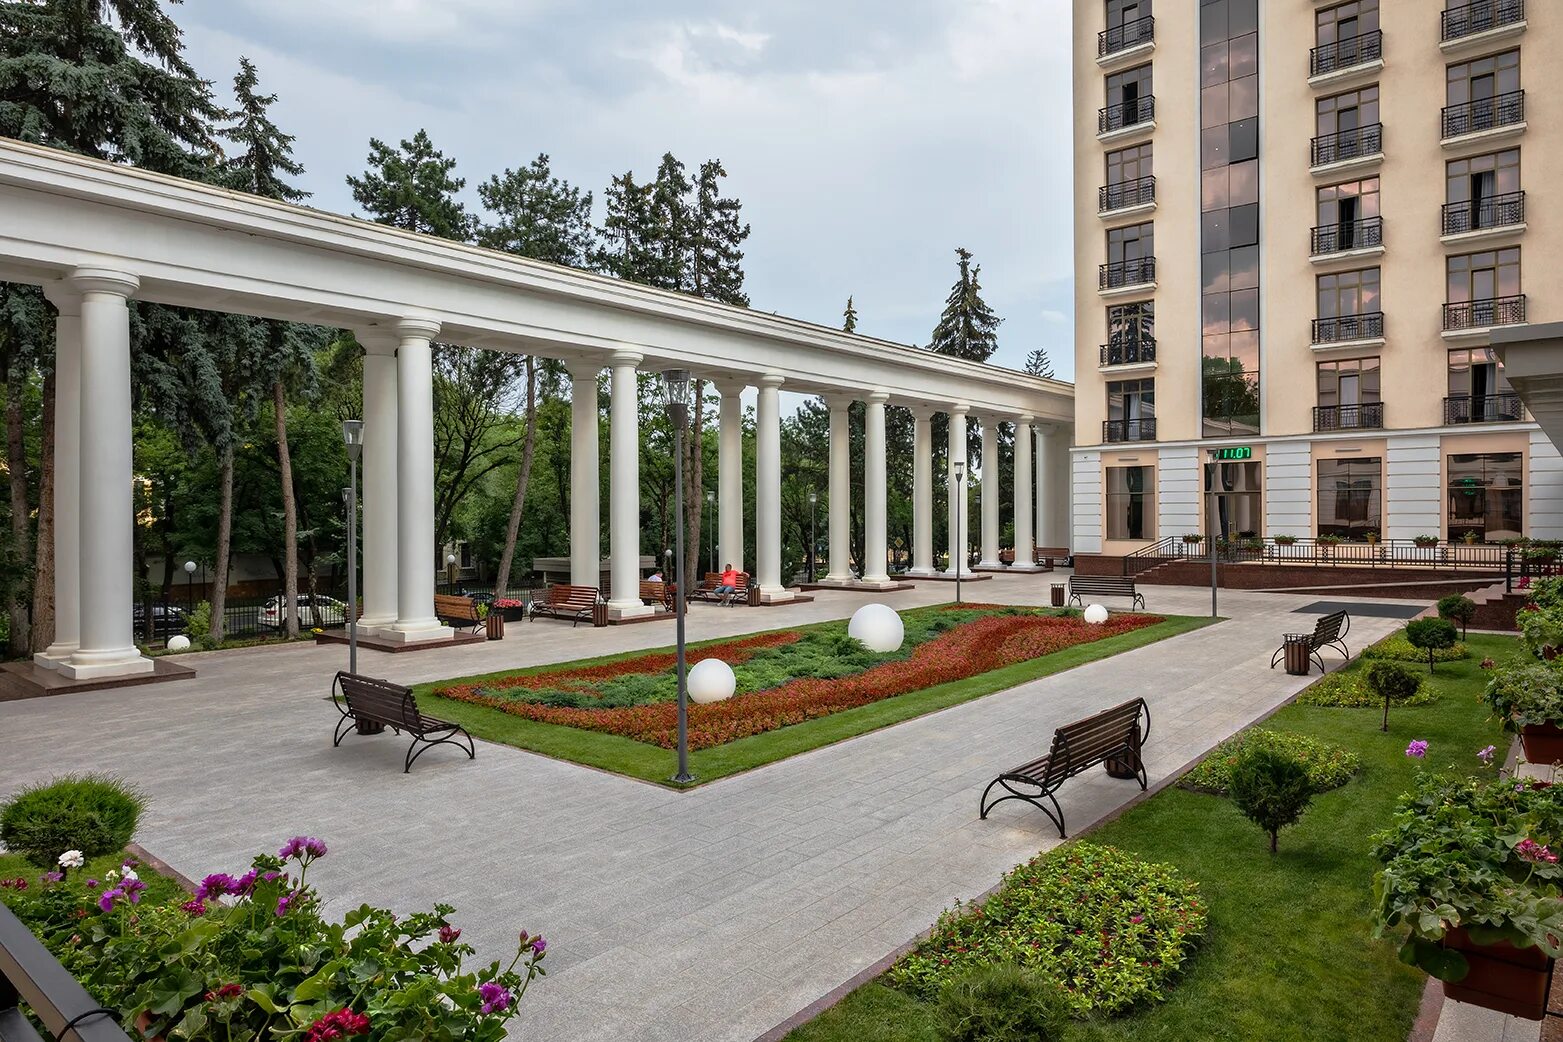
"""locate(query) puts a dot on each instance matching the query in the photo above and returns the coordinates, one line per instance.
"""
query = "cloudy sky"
(866, 138)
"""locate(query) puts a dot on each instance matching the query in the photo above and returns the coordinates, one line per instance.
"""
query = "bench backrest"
(1327, 629)
(449, 606)
(714, 579)
(1051, 551)
(378, 700)
(562, 595)
(652, 590)
(1086, 743)
(1100, 583)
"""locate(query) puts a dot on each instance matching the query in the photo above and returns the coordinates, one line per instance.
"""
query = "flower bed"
(1397, 648)
(1350, 690)
(1328, 766)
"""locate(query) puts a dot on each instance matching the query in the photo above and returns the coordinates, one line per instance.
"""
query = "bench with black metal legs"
(1081, 586)
(1329, 632)
(373, 705)
(563, 601)
(456, 611)
(1112, 737)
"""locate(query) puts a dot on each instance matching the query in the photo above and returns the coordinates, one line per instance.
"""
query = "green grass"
(1289, 955)
(655, 764)
(159, 888)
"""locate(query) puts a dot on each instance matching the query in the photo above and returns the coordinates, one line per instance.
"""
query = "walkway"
(703, 916)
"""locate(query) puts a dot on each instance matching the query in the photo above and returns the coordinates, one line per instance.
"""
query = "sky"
(867, 139)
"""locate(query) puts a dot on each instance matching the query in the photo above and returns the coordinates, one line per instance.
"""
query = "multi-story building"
(1296, 224)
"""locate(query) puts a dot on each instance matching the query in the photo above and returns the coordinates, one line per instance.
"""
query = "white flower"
(72, 859)
(130, 873)
(111, 875)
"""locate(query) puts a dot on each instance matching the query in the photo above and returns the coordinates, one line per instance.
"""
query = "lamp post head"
(813, 497)
(189, 567)
(959, 466)
(450, 558)
(676, 386)
(710, 496)
(353, 436)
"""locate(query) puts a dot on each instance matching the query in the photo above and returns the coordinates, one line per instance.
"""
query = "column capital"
(959, 409)
(417, 327)
(103, 280)
(839, 401)
(625, 357)
(729, 386)
(584, 368)
(378, 340)
(922, 411)
(877, 397)
(65, 297)
(771, 380)
(1026, 419)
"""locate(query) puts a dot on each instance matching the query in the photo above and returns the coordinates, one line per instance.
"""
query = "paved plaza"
(707, 916)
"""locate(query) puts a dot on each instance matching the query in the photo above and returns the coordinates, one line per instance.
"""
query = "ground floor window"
(1234, 501)
(1350, 496)
(1487, 496)
(1130, 505)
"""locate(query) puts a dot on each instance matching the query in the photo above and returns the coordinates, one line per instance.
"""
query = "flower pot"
(1543, 743)
(511, 614)
(1502, 977)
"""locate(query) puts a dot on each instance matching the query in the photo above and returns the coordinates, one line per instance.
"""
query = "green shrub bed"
(1397, 648)
(1351, 691)
(1110, 929)
(1328, 766)
(89, 814)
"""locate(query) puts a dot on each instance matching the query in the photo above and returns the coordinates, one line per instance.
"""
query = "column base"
(98, 665)
(415, 632)
(1024, 569)
(618, 611)
(996, 566)
(832, 582)
(373, 626)
(775, 595)
(833, 579)
(55, 654)
(877, 582)
(920, 573)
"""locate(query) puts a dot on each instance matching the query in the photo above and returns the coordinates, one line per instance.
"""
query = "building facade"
(1297, 224)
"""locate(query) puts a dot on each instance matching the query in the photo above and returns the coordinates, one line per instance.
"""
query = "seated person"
(654, 577)
(728, 584)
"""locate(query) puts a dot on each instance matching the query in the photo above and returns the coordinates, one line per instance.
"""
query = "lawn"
(1288, 956)
(711, 726)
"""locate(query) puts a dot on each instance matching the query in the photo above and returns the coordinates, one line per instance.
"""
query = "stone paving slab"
(710, 915)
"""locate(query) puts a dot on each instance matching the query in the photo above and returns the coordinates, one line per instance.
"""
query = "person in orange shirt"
(728, 585)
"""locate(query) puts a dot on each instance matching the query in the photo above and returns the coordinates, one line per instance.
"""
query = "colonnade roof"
(197, 246)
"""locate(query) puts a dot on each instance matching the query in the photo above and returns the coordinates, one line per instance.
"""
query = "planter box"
(1502, 977)
(510, 614)
(1543, 743)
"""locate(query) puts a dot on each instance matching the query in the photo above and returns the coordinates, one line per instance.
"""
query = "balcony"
(1353, 51)
(1492, 213)
(1483, 408)
(1130, 352)
(1482, 17)
(1126, 195)
(1120, 38)
(1485, 116)
(1369, 416)
(1475, 315)
(1348, 236)
(1143, 429)
(1126, 116)
(1346, 329)
(1347, 148)
(1124, 274)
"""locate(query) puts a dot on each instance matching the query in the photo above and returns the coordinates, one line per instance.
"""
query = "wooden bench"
(562, 601)
(706, 591)
(1104, 586)
(373, 705)
(1113, 737)
(1052, 556)
(461, 612)
(1329, 632)
(657, 593)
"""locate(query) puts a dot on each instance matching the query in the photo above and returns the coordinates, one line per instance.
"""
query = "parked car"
(313, 610)
(167, 620)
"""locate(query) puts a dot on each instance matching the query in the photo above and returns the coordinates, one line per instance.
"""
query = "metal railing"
(1348, 144)
(1480, 17)
(1129, 352)
(1479, 314)
(1129, 430)
(1343, 54)
(1122, 37)
(1124, 194)
(1365, 416)
(1126, 114)
(1531, 559)
(1137, 272)
(1326, 551)
(1344, 328)
(1494, 211)
(1348, 235)
(1472, 117)
(1483, 408)
(32, 981)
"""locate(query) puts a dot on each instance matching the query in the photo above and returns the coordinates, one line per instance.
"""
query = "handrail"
(1310, 550)
(1126, 114)
(1471, 117)
(31, 977)
(1489, 311)
(1343, 54)
(1356, 143)
(1121, 37)
(1480, 17)
(1494, 211)
(1361, 234)
(1138, 191)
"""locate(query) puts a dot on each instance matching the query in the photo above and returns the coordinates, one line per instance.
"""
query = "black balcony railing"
(1481, 17)
(1366, 416)
(1483, 408)
(1348, 144)
(1479, 314)
(1122, 37)
(1143, 429)
(1343, 54)
(1344, 328)
(1126, 114)
(1472, 117)
(1129, 352)
(1138, 192)
(1136, 272)
(1348, 235)
(1496, 211)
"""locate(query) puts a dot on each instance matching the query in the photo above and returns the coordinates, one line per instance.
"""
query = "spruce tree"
(538, 215)
(718, 238)
(413, 188)
(262, 154)
(849, 318)
(628, 236)
(1039, 364)
(968, 328)
(672, 228)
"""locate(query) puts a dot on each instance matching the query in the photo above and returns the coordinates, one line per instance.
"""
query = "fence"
(33, 979)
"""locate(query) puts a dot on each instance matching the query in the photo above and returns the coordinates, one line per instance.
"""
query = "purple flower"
(92, 884)
(245, 883)
(539, 946)
(1486, 754)
(132, 889)
(195, 907)
(130, 862)
(287, 901)
(53, 877)
(449, 934)
(1417, 749)
(1534, 852)
(219, 884)
(305, 848)
(269, 876)
(496, 999)
(106, 901)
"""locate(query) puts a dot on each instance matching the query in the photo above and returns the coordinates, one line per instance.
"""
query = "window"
(1234, 500)
(1348, 217)
(1131, 410)
(1130, 505)
(1134, 243)
(1487, 496)
(1478, 82)
(1349, 383)
(1483, 192)
(1129, 164)
(1478, 390)
(1349, 293)
(1350, 495)
(1484, 276)
(1128, 327)
(1123, 12)
(1349, 112)
(1127, 88)
(1346, 22)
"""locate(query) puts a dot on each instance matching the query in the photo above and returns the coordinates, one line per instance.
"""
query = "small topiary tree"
(1393, 683)
(94, 814)
(1271, 788)
(1431, 635)
(1001, 1003)
(1458, 608)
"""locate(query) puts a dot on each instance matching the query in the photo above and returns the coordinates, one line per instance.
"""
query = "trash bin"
(1125, 768)
(600, 613)
(1299, 656)
(495, 625)
(1058, 595)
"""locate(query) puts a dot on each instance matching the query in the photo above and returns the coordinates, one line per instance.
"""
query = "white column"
(990, 494)
(585, 495)
(922, 491)
(624, 489)
(1025, 525)
(67, 475)
(839, 502)
(415, 550)
(106, 646)
(730, 475)
(957, 505)
(380, 497)
(1049, 462)
(875, 492)
(767, 492)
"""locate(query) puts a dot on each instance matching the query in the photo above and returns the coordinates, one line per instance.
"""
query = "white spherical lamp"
(877, 627)
(1096, 615)
(179, 642)
(711, 680)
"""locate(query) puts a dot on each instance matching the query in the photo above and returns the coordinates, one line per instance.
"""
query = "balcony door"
(1234, 500)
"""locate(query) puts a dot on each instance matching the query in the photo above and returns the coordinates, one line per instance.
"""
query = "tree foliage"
(968, 328)
(414, 188)
(1039, 364)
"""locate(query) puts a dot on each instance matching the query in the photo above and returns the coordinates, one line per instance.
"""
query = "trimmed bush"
(1001, 1003)
(1430, 635)
(1271, 788)
(1328, 767)
(94, 814)
(1392, 682)
(1350, 690)
(1398, 649)
(1458, 608)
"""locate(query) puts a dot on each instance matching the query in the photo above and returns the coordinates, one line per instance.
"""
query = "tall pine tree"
(718, 234)
(628, 238)
(968, 328)
(1039, 364)
(414, 188)
(849, 318)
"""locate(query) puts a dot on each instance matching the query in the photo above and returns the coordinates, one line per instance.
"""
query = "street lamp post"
(813, 530)
(711, 524)
(958, 551)
(676, 384)
(353, 435)
(189, 578)
(450, 572)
